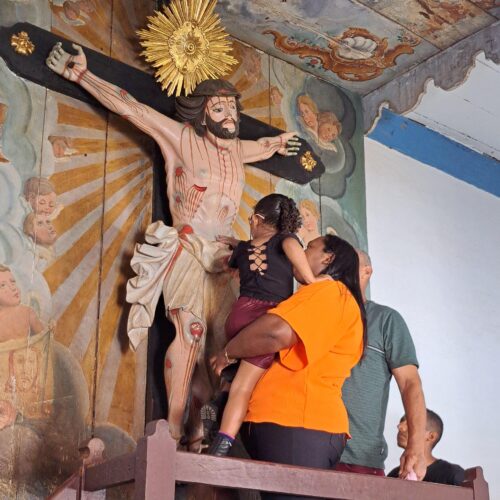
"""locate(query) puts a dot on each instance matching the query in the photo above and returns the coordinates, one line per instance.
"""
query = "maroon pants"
(244, 311)
(359, 469)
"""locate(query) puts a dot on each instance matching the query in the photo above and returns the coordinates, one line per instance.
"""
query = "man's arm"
(269, 333)
(412, 395)
(74, 68)
(285, 144)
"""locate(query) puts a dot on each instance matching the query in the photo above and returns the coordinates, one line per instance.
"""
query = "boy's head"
(433, 430)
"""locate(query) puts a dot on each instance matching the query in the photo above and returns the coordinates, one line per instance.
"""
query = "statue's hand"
(290, 144)
(70, 67)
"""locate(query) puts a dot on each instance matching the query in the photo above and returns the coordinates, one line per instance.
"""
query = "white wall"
(435, 247)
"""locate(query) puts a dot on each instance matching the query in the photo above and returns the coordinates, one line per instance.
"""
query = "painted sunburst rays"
(186, 44)
(103, 177)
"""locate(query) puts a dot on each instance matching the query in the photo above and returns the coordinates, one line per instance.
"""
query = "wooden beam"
(263, 476)
(112, 472)
(448, 68)
(156, 465)
(140, 85)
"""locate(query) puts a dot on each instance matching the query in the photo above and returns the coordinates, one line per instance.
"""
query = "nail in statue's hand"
(290, 144)
(69, 66)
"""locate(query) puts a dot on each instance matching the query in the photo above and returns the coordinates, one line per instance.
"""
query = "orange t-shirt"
(303, 387)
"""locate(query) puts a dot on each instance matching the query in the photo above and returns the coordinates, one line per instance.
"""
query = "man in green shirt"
(390, 351)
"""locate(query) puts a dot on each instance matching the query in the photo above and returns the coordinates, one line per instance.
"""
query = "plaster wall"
(434, 244)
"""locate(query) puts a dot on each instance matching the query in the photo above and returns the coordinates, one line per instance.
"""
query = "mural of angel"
(17, 321)
(329, 128)
(323, 126)
(41, 196)
(40, 229)
(310, 214)
(75, 12)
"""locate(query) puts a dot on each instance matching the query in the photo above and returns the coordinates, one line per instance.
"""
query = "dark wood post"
(474, 478)
(155, 463)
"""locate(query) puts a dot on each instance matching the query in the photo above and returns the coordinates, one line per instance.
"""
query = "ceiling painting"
(355, 55)
(359, 45)
(441, 23)
(342, 42)
(492, 6)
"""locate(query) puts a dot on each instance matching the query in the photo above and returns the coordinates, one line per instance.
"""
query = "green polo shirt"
(366, 391)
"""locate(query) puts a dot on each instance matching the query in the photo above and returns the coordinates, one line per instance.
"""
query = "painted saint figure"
(17, 321)
(205, 177)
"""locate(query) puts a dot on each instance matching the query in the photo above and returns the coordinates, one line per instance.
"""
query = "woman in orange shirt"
(296, 415)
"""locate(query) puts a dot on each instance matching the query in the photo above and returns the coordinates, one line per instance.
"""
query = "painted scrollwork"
(356, 55)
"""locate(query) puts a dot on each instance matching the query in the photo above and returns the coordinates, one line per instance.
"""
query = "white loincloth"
(175, 265)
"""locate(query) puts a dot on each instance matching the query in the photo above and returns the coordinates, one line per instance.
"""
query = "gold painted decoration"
(307, 161)
(22, 43)
(186, 44)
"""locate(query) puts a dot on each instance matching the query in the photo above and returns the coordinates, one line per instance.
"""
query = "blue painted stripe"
(429, 147)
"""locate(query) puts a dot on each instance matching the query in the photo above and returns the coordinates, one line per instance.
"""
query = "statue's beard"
(219, 131)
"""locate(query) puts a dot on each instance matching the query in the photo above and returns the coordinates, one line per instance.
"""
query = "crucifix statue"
(204, 162)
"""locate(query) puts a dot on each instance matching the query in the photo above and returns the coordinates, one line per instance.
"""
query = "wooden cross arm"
(144, 88)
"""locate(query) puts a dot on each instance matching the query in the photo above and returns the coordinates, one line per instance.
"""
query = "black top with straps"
(265, 271)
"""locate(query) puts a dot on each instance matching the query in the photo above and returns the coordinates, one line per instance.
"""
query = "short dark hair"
(435, 424)
(191, 109)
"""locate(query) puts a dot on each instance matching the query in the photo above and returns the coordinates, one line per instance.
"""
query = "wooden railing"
(156, 465)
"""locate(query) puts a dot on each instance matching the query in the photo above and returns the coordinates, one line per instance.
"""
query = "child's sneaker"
(208, 413)
(220, 445)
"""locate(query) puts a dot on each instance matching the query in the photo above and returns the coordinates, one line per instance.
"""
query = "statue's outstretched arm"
(74, 68)
(286, 144)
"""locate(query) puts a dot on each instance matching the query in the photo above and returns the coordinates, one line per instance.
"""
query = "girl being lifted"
(266, 265)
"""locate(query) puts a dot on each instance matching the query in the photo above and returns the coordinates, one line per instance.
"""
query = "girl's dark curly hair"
(280, 212)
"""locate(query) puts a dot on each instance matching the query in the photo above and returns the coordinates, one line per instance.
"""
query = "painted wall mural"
(75, 196)
(330, 119)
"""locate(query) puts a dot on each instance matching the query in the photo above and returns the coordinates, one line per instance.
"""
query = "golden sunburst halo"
(186, 44)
